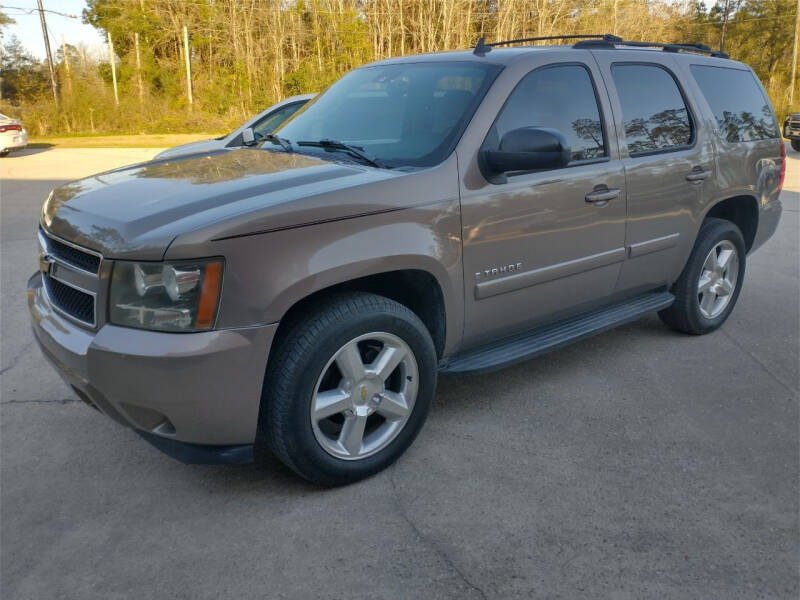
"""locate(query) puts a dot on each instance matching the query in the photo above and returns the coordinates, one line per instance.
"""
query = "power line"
(734, 22)
(30, 11)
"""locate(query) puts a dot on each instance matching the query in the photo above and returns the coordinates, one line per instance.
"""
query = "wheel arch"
(414, 287)
(742, 211)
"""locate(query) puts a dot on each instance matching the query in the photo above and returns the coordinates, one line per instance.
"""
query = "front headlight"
(168, 296)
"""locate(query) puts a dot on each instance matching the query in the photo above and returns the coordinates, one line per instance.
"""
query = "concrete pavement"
(638, 464)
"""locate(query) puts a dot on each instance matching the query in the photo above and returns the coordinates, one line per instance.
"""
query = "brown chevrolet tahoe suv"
(448, 212)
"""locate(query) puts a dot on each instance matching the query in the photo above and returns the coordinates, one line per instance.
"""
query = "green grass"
(166, 140)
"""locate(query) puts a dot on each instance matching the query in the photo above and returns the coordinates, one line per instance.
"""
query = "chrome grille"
(85, 260)
(76, 303)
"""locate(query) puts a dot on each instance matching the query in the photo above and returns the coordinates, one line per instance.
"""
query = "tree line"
(247, 54)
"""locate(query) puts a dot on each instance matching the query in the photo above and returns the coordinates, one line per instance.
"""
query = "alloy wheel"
(718, 279)
(364, 396)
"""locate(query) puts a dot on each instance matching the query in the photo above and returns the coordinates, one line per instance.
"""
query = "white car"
(262, 124)
(13, 135)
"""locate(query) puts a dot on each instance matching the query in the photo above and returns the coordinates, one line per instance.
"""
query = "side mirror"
(248, 137)
(527, 149)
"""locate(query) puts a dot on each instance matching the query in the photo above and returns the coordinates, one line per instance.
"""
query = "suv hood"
(136, 211)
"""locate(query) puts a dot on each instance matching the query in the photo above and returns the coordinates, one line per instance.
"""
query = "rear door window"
(559, 97)
(738, 102)
(654, 111)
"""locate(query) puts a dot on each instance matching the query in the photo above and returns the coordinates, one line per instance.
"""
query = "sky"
(28, 28)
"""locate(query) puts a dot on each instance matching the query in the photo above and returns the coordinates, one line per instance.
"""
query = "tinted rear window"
(740, 107)
(655, 115)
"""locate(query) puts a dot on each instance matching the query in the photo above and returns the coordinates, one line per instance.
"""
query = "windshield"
(409, 114)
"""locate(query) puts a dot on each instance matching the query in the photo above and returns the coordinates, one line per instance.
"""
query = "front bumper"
(200, 389)
(791, 132)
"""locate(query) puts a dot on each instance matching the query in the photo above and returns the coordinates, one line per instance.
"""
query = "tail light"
(783, 166)
(4, 128)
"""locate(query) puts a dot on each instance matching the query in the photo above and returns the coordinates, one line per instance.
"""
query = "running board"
(525, 346)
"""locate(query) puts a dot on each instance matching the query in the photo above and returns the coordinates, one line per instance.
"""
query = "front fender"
(266, 274)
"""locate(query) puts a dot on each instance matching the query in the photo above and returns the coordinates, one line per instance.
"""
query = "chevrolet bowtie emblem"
(45, 262)
(363, 393)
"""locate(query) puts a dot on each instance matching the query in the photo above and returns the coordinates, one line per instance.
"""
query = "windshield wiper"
(349, 148)
(282, 142)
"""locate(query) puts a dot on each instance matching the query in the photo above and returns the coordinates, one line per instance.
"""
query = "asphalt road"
(638, 464)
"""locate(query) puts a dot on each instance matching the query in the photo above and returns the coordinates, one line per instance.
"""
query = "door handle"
(698, 175)
(601, 195)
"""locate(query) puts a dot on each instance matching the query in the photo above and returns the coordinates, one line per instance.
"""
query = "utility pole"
(724, 25)
(188, 65)
(53, 82)
(794, 54)
(113, 67)
(139, 67)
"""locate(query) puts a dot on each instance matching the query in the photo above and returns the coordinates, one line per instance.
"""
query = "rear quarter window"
(740, 107)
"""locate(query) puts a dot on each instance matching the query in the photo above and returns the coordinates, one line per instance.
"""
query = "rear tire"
(348, 387)
(796, 145)
(709, 285)
(4, 153)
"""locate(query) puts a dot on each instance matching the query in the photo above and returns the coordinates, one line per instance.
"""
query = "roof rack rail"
(481, 48)
(608, 44)
(601, 41)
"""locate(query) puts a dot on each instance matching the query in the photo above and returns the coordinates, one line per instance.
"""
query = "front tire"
(796, 145)
(709, 285)
(348, 387)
